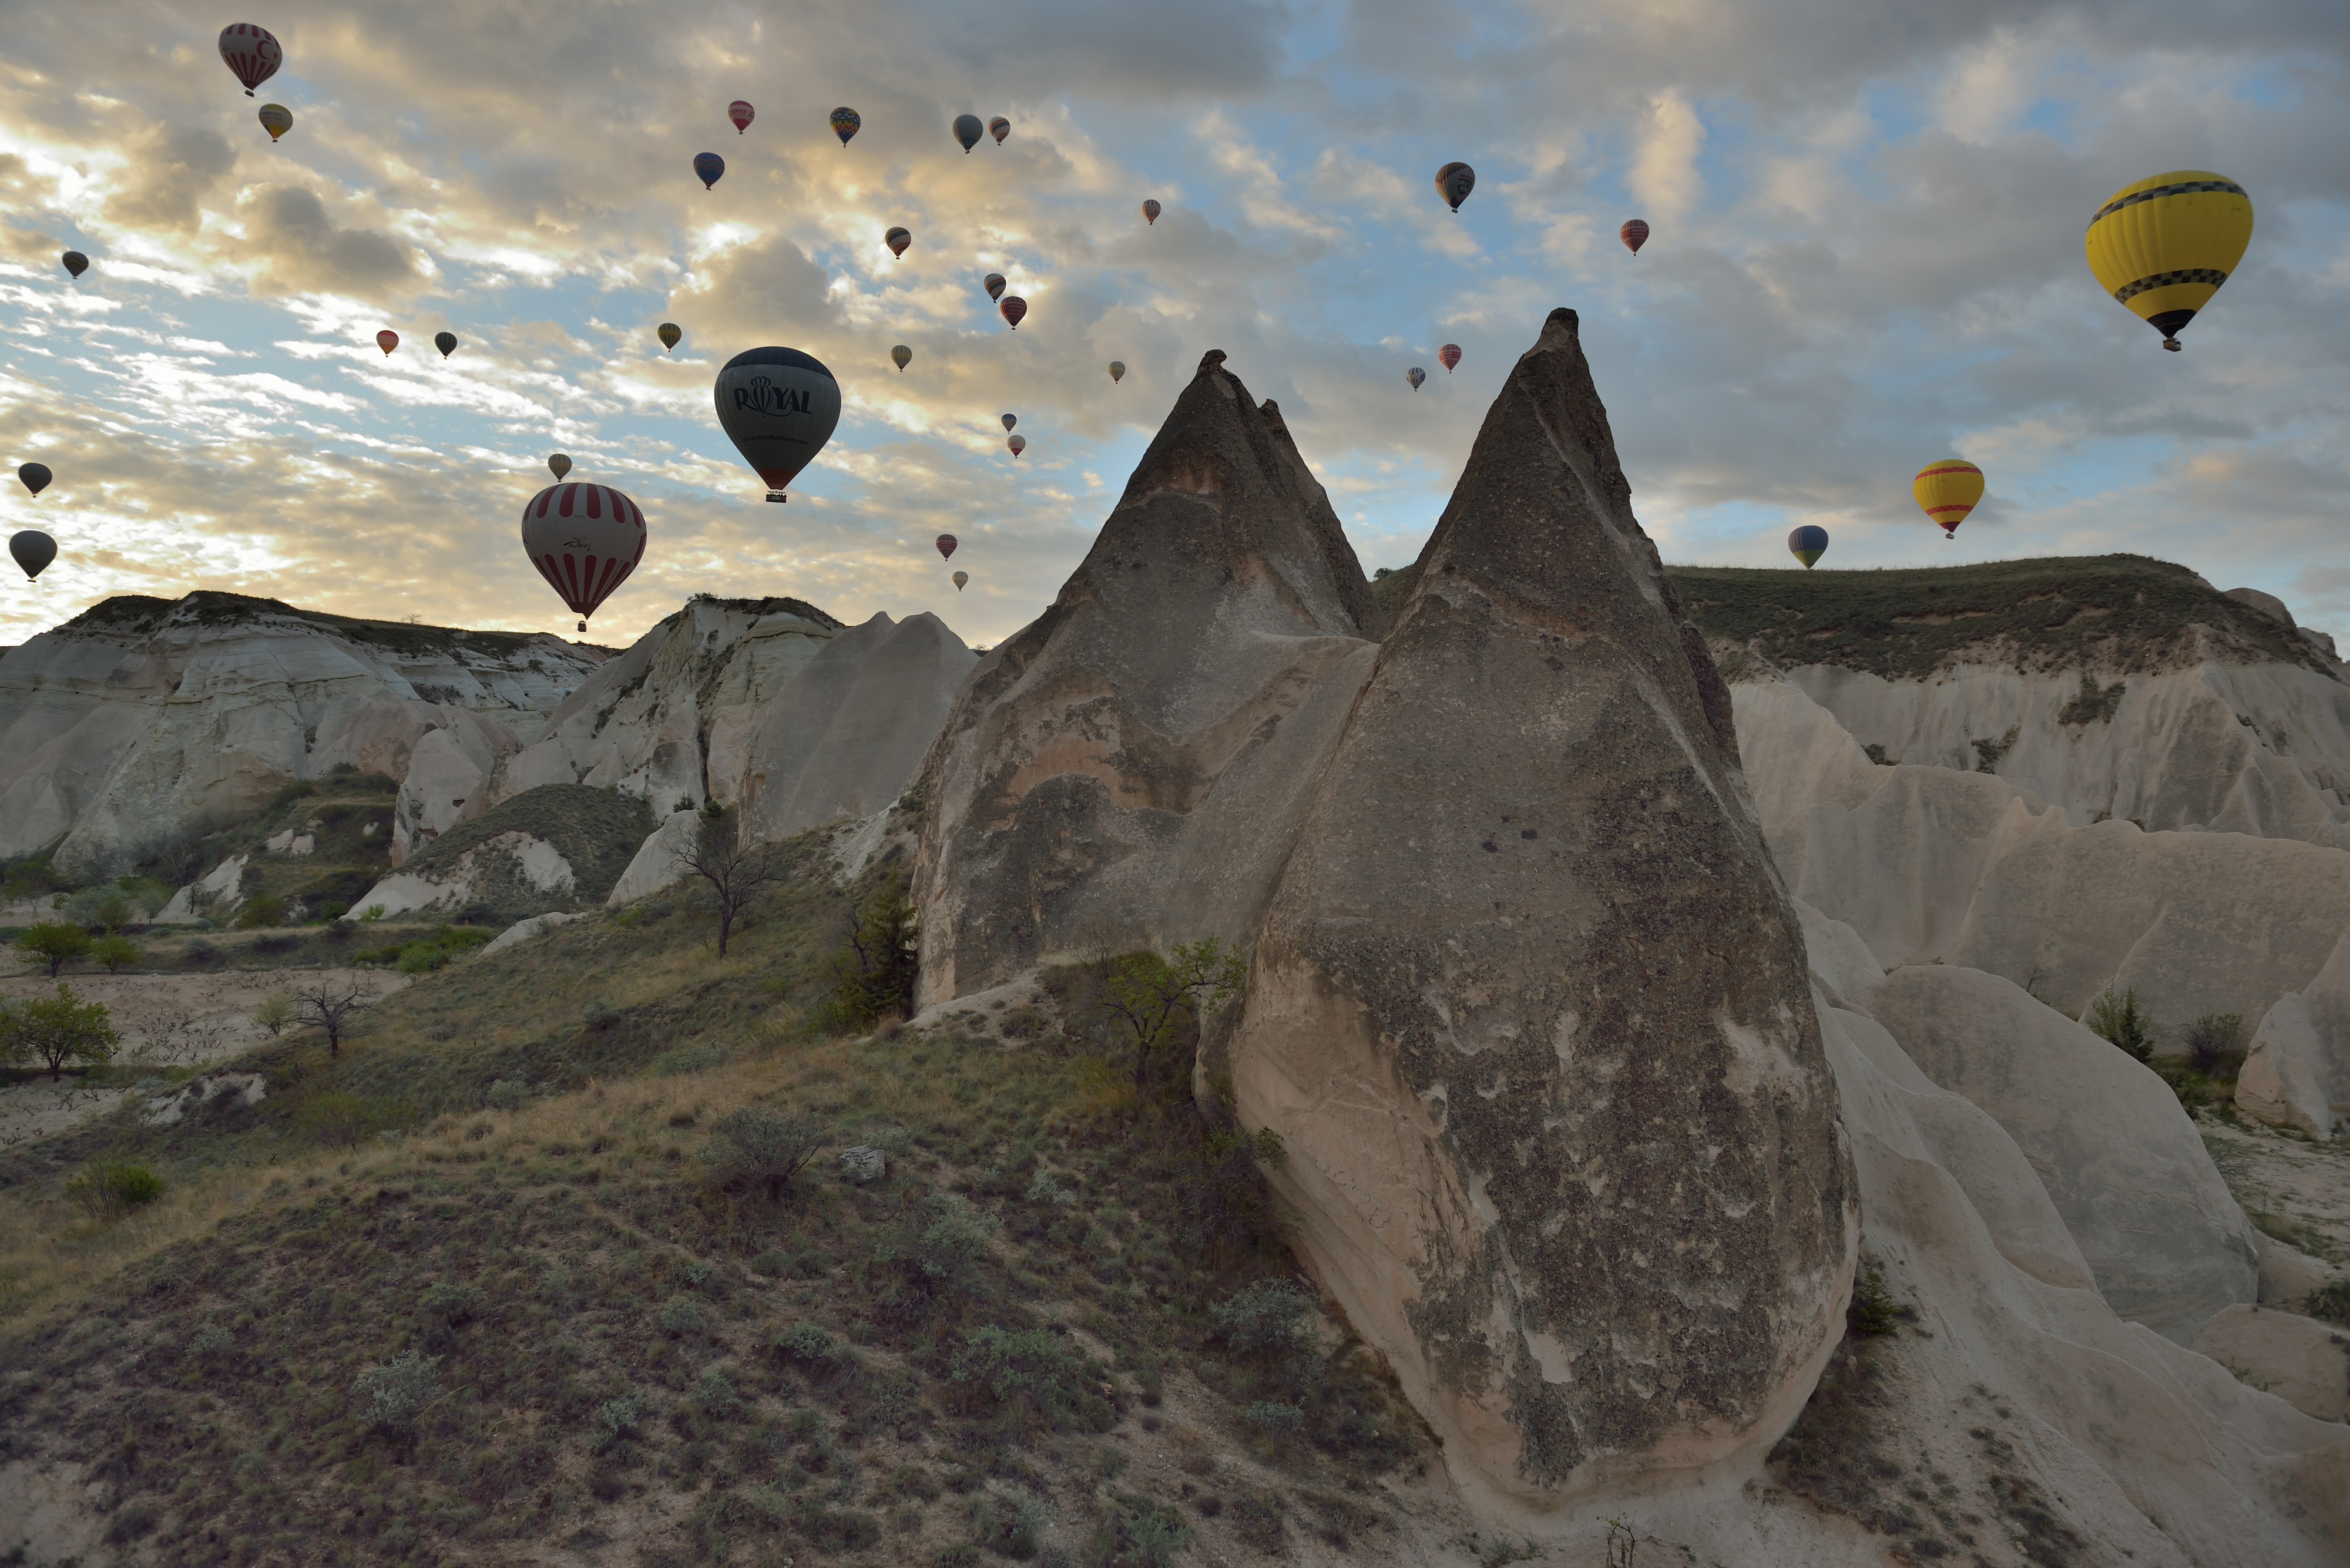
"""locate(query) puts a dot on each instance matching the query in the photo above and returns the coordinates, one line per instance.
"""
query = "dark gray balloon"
(34, 550)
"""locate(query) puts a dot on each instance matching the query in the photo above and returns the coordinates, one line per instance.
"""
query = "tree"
(737, 870)
(2116, 1016)
(114, 952)
(1148, 995)
(54, 943)
(329, 1004)
(881, 980)
(55, 1030)
(276, 1011)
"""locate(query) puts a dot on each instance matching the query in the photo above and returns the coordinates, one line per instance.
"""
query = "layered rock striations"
(1129, 769)
(1530, 1010)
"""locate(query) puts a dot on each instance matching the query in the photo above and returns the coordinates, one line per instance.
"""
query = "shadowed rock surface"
(1530, 1006)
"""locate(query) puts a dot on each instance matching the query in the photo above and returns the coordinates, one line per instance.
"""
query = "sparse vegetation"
(877, 973)
(57, 1031)
(114, 954)
(2212, 1044)
(1149, 995)
(736, 872)
(756, 1150)
(330, 1006)
(274, 1013)
(2117, 1017)
(108, 1189)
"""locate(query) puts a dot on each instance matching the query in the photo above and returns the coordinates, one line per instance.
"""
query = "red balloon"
(1450, 355)
(1014, 309)
(1634, 234)
(386, 340)
(585, 540)
(1018, 444)
(741, 114)
(1150, 210)
(251, 53)
(947, 543)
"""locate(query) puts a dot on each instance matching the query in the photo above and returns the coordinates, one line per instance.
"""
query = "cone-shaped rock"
(1529, 1006)
(1130, 768)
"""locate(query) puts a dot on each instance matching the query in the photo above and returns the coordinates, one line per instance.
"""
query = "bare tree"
(738, 871)
(329, 1004)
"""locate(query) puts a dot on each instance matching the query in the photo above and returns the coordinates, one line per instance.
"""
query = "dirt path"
(2294, 1190)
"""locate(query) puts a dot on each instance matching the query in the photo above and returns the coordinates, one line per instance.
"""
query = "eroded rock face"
(1529, 1007)
(1129, 770)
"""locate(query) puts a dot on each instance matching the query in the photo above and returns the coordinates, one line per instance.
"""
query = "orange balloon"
(386, 340)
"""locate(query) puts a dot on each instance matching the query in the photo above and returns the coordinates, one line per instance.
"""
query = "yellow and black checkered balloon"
(2164, 245)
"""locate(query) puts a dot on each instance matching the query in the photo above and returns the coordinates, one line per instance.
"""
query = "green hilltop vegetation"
(597, 831)
(2126, 613)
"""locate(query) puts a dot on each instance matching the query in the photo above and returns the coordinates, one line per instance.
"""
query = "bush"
(2116, 1018)
(1275, 1419)
(876, 975)
(681, 1316)
(455, 1302)
(622, 1418)
(2212, 1044)
(1031, 1377)
(212, 1343)
(2330, 1302)
(756, 1150)
(426, 954)
(55, 1030)
(397, 1392)
(109, 1190)
(262, 910)
(275, 1013)
(506, 1095)
(1138, 1532)
(1269, 1320)
(1010, 1524)
(115, 954)
(52, 944)
(1873, 1310)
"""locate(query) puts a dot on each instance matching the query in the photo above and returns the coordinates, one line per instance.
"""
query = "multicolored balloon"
(446, 342)
(2163, 246)
(1449, 355)
(585, 540)
(1808, 544)
(1018, 444)
(669, 332)
(1008, 421)
(386, 340)
(558, 466)
(948, 544)
(1415, 376)
(959, 579)
(999, 128)
(276, 119)
(741, 114)
(968, 130)
(1635, 234)
(34, 550)
(844, 123)
(994, 284)
(1014, 309)
(251, 53)
(1150, 210)
(901, 357)
(1947, 491)
(779, 407)
(1454, 182)
(898, 240)
(75, 263)
(707, 167)
(36, 476)
(1116, 370)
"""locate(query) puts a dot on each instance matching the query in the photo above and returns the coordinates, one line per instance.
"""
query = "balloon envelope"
(1018, 444)
(844, 123)
(1947, 491)
(36, 476)
(1808, 544)
(34, 551)
(75, 263)
(1635, 234)
(1415, 376)
(959, 579)
(251, 53)
(2164, 245)
(446, 342)
(559, 465)
(741, 114)
(1454, 182)
(1150, 210)
(994, 283)
(585, 540)
(1014, 309)
(1008, 421)
(1118, 370)
(968, 130)
(947, 544)
(999, 128)
(669, 333)
(1449, 355)
(707, 167)
(386, 340)
(898, 240)
(901, 357)
(276, 119)
(779, 407)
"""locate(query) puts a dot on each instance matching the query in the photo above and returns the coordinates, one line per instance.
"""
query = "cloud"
(170, 169)
(300, 250)
(1664, 176)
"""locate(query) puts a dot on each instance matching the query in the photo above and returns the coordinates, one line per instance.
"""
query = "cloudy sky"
(1867, 254)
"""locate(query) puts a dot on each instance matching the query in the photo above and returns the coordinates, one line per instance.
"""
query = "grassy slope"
(599, 831)
(2127, 614)
(202, 1356)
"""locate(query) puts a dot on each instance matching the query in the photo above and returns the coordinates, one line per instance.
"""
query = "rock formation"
(1530, 1010)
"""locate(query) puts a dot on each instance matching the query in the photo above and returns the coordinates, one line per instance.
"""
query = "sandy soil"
(2295, 1189)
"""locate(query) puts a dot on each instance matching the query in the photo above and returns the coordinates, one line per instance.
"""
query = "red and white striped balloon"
(251, 52)
(585, 540)
(741, 114)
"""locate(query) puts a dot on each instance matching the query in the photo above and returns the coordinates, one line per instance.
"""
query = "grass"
(597, 831)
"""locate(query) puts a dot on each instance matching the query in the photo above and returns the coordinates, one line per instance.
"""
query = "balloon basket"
(2174, 345)
(777, 496)
(583, 626)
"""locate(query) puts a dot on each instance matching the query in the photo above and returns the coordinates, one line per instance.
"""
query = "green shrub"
(689, 1059)
(1031, 1379)
(2116, 1018)
(1010, 1524)
(1874, 1311)
(109, 1190)
(1269, 1320)
(2330, 1302)
(55, 1030)
(506, 1095)
(876, 975)
(262, 910)
(455, 1302)
(426, 954)
(1140, 1532)
(52, 944)
(681, 1316)
(397, 1392)
(755, 1149)
(213, 1341)
(1274, 1419)
(2212, 1044)
(622, 1418)
(114, 954)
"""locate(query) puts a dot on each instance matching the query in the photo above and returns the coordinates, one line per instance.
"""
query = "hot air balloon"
(1008, 421)
(994, 284)
(276, 119)
(446, 342)
(707, 167)
(999, 128)
(1635, 234)
(386, 340)
(1808, 544)
(779, 407)
(1018, 444)
(585, 540)
(669, 332)
(558, 466)
(968, 130)
(75, 263)
(1947, 491)
(741, 114)
(1454, 182)
(947, 544)
(1116, 370)
(1014, 309)
(844, 123)
(1150, 210)
(898, 240)
(959, 579)
(900, 357)
(1415, 376)
(37, 476)
(35, 550)
(251, 52)
(1449, 355)
(2164, 245)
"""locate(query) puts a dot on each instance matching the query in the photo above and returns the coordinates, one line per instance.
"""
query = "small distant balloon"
(707, 167)
(558, 466)
(446, 342)
(1808, 544)
(741, 114)
(1454, 182)
(1415, 376)
(1150, 210)
(844, 123)
(276, 119)
(959, 579)
(898, 240)
(947, 544)
(1635, 234)
(1014, 309)
(999, 128)
(968, 130)
(1008, 421)
(35, 550)
(1116, 370)
(75, 263)
(386, 340)
(251, 53)
(36, 476)
(1449, 355)
(994, 284)
(1018, 444)
(669, 332)
(901, 357)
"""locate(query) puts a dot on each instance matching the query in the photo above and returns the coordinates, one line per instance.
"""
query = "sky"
(1866, 255)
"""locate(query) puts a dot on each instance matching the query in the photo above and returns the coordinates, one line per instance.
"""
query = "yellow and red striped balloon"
(1947, 491)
